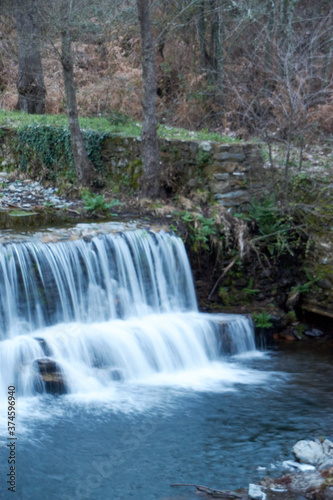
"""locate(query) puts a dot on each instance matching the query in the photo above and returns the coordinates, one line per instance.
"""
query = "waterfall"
(80, 315)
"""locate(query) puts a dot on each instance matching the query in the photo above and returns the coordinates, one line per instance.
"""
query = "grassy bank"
(114, 124)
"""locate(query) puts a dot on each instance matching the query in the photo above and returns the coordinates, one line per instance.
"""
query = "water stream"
(155, 391)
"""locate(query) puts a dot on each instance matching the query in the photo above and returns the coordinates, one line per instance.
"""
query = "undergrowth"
(97, 203)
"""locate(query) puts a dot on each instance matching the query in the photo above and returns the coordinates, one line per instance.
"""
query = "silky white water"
(113, 308)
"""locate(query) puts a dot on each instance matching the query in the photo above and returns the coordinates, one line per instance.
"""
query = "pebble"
(256, 493)
(314, 333)
(28, 193)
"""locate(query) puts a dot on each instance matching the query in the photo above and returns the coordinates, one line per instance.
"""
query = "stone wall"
(233, 173)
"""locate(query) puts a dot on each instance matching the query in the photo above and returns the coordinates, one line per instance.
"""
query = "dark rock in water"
(50, 379)
(314, 333)
(279, 320)
(116, 374)
(46, 365)
(44, 346)
(223, 338)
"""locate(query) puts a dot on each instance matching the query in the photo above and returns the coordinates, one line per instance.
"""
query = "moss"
(224, 296)
(20, 213)
(323, 270)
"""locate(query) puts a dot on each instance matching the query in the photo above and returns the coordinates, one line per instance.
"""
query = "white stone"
(308, 452)
(205, 145)
(256, 493)
(315, 453)
(290, 464)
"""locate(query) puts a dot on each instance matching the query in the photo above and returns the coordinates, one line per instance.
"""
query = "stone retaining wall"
(233, 173)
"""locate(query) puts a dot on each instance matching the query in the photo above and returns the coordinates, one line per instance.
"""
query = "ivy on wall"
(46, 151)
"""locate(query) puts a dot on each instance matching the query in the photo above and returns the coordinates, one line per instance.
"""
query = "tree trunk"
(83, 166)
(329, 53)
(219, 50)
(202, 35)
(213, 40)
(270, 34)
(30, 83)
(149, 180)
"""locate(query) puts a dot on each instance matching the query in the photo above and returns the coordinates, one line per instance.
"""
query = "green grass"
(124, 127)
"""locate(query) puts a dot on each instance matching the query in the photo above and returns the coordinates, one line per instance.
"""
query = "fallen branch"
(224, 272)
(212, 492)
(73, 211)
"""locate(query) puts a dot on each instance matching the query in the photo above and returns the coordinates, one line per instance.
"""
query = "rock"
(12, 176)
(231, 194)
(205, 146)
(279, 320)
(50, 377)
(221, 177)
(304, 480)
(256, 493)
(290, 464)
(314, 333)
(297, 335)
(315, 453)
(116, 374)
(325, 284)
(46, 365)
(43, 345)
(219, 187)
(238, 157)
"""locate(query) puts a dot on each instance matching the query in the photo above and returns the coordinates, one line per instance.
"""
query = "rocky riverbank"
(308, 477)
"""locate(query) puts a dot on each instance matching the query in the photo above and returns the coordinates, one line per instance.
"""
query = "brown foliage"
(255, 96)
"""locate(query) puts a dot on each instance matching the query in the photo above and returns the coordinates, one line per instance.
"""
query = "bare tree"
(283, 108)
(83, 166)
(30, 83)
(149, 181)
(60, 19)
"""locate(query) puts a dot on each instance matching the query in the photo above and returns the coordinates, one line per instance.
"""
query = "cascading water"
(157, 392)
(111, 307)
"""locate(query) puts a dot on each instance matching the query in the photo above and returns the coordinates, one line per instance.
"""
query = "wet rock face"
(44, 346)
(50, 377)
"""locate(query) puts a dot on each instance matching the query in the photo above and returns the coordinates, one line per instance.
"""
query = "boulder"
(50, 377)
(256, 493)
(317, 453)
(117, 374)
